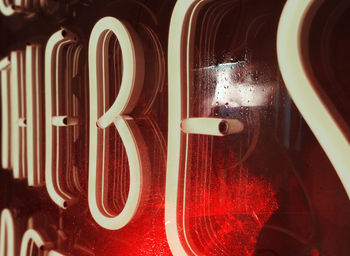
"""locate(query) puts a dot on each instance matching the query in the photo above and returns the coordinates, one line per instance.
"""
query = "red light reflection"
(226, 205)
(314, 252)
(237, 210)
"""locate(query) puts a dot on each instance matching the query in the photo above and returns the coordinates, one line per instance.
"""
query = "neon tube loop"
(7, 234)
(30, 236)
(53, 50)
(133, 63)
(6, 161)
(131, 85)
(295, 19)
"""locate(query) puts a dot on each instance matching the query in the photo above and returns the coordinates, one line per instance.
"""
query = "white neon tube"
(34, 115)
(6, 8)
(5, 131)
(5, 114)
(180, 36)
(30, 101)
(211, 126)
(7, 234)
(32, 235)
(133, 63)
(22, 116)
(16, 92)
(132, 81)
(65, 121)
(294, 20)
(55, 42)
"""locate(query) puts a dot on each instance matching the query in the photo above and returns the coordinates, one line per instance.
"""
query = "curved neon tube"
(133, 63)
(293, 21)
(7, 233)
(133, 71)
(56, 41)
(33, 235)
(5, 8)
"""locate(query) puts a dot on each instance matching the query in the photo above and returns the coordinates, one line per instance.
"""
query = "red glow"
(314, 252)
(145, 236)
(236, 209)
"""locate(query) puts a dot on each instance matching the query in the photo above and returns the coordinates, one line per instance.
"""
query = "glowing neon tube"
(133, 65)
(65, 121)
(17, 112)
(179, 43)
(52, 53)
(5, 114)
(6, 8)
(132, 81)
(294, 21)
(30, 236)
(7, 234)
(211, 126)
(35, 115)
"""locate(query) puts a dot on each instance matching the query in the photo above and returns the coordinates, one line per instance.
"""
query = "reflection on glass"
(241, 84)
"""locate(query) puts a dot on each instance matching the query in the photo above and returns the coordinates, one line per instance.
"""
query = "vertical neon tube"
(180, 33)
(16, 99)
(34, 118)
(5, 114)
(53, 47)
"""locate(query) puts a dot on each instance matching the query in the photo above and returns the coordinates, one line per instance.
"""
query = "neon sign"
(25, 120)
